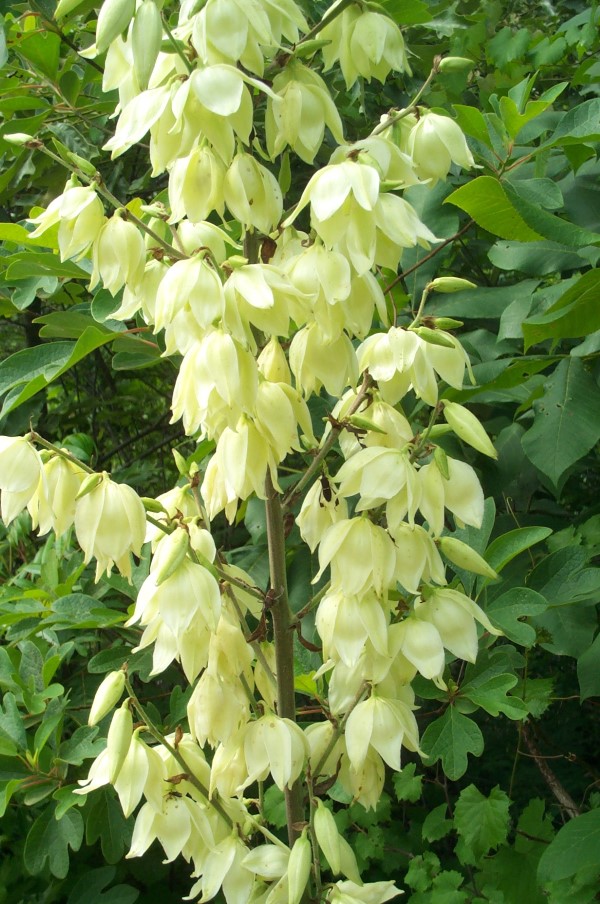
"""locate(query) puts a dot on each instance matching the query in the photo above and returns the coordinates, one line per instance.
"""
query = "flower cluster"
(265, 316)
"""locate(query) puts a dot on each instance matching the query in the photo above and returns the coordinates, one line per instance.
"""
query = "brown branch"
(428, 257)
(560, 793)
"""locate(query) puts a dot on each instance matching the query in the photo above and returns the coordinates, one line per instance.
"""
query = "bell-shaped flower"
(222, 868)
(276, 746)
(228, 771)
(394, 166)
(142, 297)
(110, 523)
(190, 290)
(326, 278)
(436, 142)
(179, 614)
(367, 44)
(361, 554)
(272, 363)
(367, 893)
(321, 507)
(218, 708)
(316, 362)
(337, 851)
(298, 117)
(52, 507)
(80, 215)
(345, 623)
(119, 255)
(217, 382)
(322, 754)
(232, 31)
(418, 558)
(459, 490)
(280, 413)
(454, 615)
(420, 642)
(364, 784)
(383, 724)
(252, 194)
(378, 474)
(261, 296)
(139, 114)
(21, 471)
(181, 826)
(380, 423)
(196, 185)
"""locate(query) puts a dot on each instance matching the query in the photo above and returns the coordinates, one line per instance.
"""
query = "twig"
(559, 792)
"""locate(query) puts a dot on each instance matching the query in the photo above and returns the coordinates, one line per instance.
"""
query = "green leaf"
(546, 224)
(24, 264)
(50, 722)
(582, 123)
(90, 889)
(491, 695)
(50, 839)
(517, 603)
(472, 122)
(7, 789)
(42, 48)
(105, 821)
(481, 822)
(588, 671)
(80, 611)
(82, 745)
(567, 420)
(435, 825)
(486, 201)
(3, 47)
(505, 548)
(407, 785)
(27, 372)
(538, 258)
(450, 738)
(575, 847)
(407, 12)
(12, 726)
(564, 578)
(575, 314)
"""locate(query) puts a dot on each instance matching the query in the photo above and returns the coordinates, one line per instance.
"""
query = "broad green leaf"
(7, 789)
(53, 716)
(570, 629)
(42, 48)
(450, 738)
(92, 889)
(588, 671)
(539, 258)
(12, 725)
(517, 603)
(582, 123)
(3, 47)
(49, 839)
(29, 371)
(492, 696)
(24, 264)
(472, 122)
(67, 325)
(481, 822)
(567, 420)
(14, 232)
(105, 821)
(484, 302)
(546, 224)
(407, 785)
(575, 314)
(435, 824)
(575, 847)
(80, 611)
(82, 745)
(505, 548)
(486, 201)
(407, 12)
(564, 577)
(544, 192)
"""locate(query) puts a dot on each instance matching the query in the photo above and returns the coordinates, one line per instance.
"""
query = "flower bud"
(146, 38)
(434, 337)
(252, 194)
(336, 849)
(20, 473)
(454, 64)
(447, 323)
(298, 869)
(468, 428)
(272, 363)
(462, 555)
(18, 138)
(88, 484)
(118, 741)
(65, 7)
(449, 284)
(170, 553)
(113, 19)
(107, 696)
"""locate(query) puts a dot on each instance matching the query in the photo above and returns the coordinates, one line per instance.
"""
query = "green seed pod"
(146, 38)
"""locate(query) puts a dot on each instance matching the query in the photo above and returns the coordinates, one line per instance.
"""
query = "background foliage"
(506, 807)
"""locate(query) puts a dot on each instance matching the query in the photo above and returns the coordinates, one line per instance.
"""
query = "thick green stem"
(284, 640)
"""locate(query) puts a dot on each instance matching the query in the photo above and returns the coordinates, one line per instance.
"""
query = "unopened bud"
(441, 460)
(434, 337)
(363, 423)
(299, 868)
(171, 552)
(88, 484)
(113, 19)
(462, 555)
(118, 740)
(107, 696)
(449, 284)
(146, 38)
(20, 139)
(84, 165)
(447, 323)
(180, 463)
(468, 428)
(152, 505)
(454, 64)
(328, 836)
